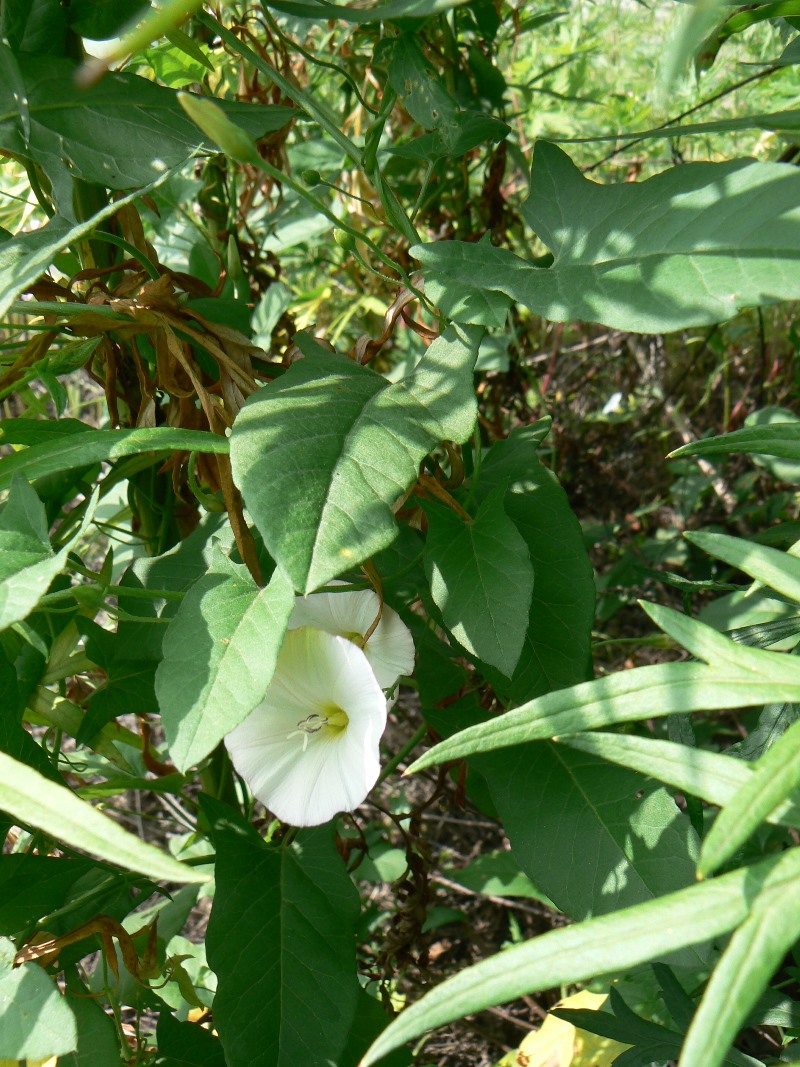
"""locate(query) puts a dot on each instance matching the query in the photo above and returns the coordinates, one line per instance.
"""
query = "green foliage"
(37, 1023)
(219, 654)
(343, 445)
(299, 310)
(481, 580)
(287, 988)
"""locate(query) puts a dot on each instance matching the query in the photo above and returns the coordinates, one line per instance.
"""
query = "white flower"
(350, 614)
(310, 749)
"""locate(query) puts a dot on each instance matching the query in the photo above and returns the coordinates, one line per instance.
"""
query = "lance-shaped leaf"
(627, 696)
(322, 454)
(737, 677)
(33, 800)
(600, 946)
(28, 563)
(281, 941)
(779, 570)
(35, 1020)
(219, 656)
(711, 776)
(750, 960)
(381, 12)
(780, 439)
(481, 580)
(774, 778)
(72, 450)
(688, 247)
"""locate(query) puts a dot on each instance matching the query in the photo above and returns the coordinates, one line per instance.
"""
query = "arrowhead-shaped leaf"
(481, 580)
(219, 655)
(281, 940)
(323, 454)
(690, 246)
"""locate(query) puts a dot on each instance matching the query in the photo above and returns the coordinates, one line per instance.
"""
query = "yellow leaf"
(558, 1044)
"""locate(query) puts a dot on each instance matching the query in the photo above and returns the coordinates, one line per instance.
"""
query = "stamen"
(312, 724)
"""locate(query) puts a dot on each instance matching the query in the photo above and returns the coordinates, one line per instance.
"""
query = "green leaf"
(391, 9)
(495, 874)
(711, 776)
(27, 562)
(34, 26)
(98, 20)
(93, 129)
(754, 954)
(779, 570)
(773, 778)
(707, 644)
(689, 247)
(129, 687)
(93, 446)
(183, 1044)
(417, 81)
(645, 692)
(597, 844)
(370, 1019)
(780, 439)
(26, 256)
(342, 445)
(35, 1020)
(98, 1045)
(557, 644)
(600, 946)
(219, 656)
(481, 580)
(32, 886)
(33, 800)
(281, 941)
(173, 572)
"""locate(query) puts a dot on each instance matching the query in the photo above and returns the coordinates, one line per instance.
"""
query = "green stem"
(407, 748)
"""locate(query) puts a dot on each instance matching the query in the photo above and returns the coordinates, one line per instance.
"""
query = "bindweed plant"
(285, 569)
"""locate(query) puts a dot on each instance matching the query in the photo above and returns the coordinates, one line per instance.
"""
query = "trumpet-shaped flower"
(351, 614)
(310, 749)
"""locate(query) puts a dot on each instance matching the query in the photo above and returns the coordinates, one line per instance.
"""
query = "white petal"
(334, 771)
(390, 649)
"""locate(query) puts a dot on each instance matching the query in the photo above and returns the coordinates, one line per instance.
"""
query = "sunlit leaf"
(691, 246)
(93, 446)
(342, 445)
(773, 779)
(219, 655)
(33, 800)
(607, 944)
(750, 960)
(778, 570)
(36, 1020)
(711, 776)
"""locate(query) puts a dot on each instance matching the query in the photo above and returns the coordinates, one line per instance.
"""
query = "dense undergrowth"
(332, 328)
